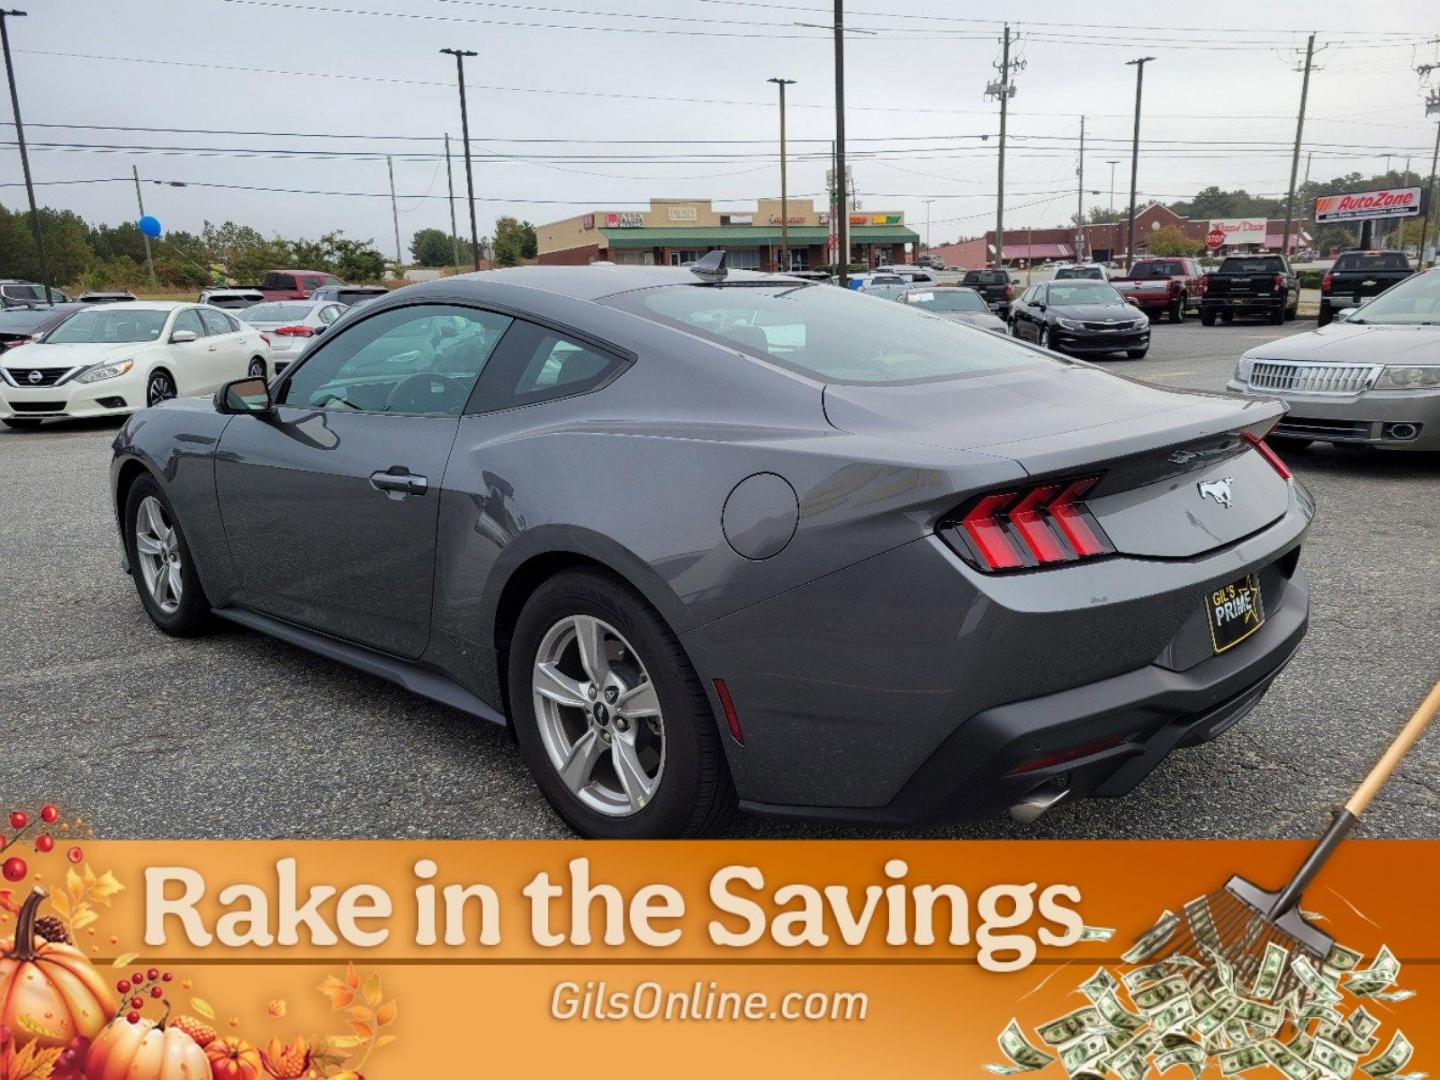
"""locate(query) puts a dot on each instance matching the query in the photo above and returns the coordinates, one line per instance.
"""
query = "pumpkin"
(233, 1059)
(49, 991)
(145, 1051)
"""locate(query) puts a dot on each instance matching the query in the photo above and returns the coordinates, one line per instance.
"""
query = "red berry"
(15, 869)
(3, 841)
(75, 854)
(49, 814)
(123, 986)
(138, 978)
(157, 992)
(44, 843)
(4, 1034)
(152, 974)
(133, 1017)
(166, 977)
(19, 819)
(137, 1003)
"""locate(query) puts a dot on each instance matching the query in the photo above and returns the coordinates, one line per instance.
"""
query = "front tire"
(1207, 318)
(1327, 315)
(1177, 309)
(1136, 354)
(1043, 338)
(1227, 317)
(613, 722)
(161, 564)
(258, 369)
(159, 387)
(21, 424)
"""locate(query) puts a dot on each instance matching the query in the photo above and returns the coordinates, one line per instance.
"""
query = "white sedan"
(289, 325)
(116, 359)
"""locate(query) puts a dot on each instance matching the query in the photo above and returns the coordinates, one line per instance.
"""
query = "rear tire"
(21, 425)
(1207, 318)
(159, 387)
(692, 794)
(161, 564)
(1327, 315)
(1227, 317)
(1277, 317)
(1177, 309)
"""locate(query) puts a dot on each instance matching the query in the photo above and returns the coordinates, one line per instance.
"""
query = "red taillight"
(1279, 282)
(1009, 293)
(1327, 281)
(1267, 451)
(732, 719)
(293, 331)
(1074, 754)
(1039, 526)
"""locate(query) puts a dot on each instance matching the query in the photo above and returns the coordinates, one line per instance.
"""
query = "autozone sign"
(1390, 203)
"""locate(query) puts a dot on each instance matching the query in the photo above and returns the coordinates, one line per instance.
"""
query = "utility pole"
(1004, 90)
(450, 183)
(1432, 108)
(24, 154)
(1139, 66)
(1112, 165)
(460, 55)
(140, 201)
(1080, 210)
(394, 214)
(842, 224)
(784, 191)
(1295, 155)
(928, 203)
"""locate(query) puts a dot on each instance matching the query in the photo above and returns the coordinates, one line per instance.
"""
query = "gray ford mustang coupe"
(703, 539)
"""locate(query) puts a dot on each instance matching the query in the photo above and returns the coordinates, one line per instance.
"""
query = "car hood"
(68, 356)
(982, 319)
(1351, 343)
(1047, 417)
(1095, 312)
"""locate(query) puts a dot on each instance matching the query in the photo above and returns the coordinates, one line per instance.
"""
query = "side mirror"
(1014, 281)
(320, 329)
(1039, 306)
(244, 396)
(1345, 313)
(182, 337)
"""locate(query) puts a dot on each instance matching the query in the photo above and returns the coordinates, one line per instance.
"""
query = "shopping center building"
(674, 232)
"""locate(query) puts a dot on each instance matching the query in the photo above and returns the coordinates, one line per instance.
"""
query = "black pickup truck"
(1250, 285)
(994, 286)
(1357, 276)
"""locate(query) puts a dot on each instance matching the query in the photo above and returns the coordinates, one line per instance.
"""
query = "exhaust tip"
(1401, 432)
(1039, 800)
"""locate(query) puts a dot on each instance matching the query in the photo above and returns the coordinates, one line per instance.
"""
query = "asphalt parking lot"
(235, 735)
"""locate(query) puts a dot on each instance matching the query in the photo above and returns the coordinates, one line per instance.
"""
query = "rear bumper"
(1376, 418)
(912, 688)
(1149, 301)
(1244, 305)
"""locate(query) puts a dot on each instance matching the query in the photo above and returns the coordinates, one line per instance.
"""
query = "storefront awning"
(1038, 251)
(740, 236)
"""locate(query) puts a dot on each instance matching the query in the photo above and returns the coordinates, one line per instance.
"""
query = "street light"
(1139, 66)
(784, 193)
(460, 55)
(24, 155)
(1112, 165)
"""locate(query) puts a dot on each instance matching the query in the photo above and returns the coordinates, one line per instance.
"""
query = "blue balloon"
(150, 226)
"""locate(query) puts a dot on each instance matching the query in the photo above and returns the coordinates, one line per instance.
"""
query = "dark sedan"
(1080, 317)
(19, 325)
(956, 303)
(704, 539)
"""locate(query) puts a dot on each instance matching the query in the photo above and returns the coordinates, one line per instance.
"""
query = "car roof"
(587, 282)
(143, 305)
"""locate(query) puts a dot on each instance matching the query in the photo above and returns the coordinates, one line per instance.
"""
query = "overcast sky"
(1219, 103)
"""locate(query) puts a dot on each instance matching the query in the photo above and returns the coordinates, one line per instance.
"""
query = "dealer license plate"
(1235, 611)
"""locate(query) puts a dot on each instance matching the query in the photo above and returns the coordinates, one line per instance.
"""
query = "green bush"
(1310, 279)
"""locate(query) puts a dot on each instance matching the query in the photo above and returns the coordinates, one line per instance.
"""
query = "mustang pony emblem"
(1219, 490)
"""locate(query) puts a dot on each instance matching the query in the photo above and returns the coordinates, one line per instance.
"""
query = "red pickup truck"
(295, 284)
(1169, 285)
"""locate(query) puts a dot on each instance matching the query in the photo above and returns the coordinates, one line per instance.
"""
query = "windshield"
(986, 277)
(1085, 293)
(829, 334)
(1414, 302)
(1381, 261)
(1165, 268)
(278, 312)
(109, 327)
(947, 300)
(1078, 273)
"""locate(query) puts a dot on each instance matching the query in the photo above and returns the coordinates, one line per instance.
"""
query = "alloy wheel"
(257, 369)
(157, 550)
(159, 389)
(599, 716)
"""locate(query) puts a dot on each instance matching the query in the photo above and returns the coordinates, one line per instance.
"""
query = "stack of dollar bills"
(1180, 1010)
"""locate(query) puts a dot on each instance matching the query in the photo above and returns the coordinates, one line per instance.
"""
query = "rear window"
(278, 281)
(1384, 260)
(948, 300)
(349, 296)
(986, 277)
(1253, 264)
(1161, 268)
(1080, 273)
(282, 312)
(830, 334)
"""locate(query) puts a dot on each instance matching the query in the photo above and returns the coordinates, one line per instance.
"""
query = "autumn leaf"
(83, 917)
(338, 993)
(203, 1007)
(341, 1043)
(352, 977)
(384, 1040)
(73, 885)
(7, 902)
(361, 1013)
(35, 1027)
(88, 876)
(365, 1031)
(124, 959)
(105, 887)
(33, 1063)
(372, 989)
(59, 901)
(386, 1013)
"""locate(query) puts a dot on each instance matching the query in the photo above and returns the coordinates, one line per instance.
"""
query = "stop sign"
(1215, 238)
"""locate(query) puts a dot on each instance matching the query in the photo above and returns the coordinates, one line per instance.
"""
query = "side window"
(329, 314)
(215, 322)
(189, 319)
(539, 365)
(420, 360)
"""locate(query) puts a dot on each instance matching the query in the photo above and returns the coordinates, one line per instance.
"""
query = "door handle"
(213, 348)
(397, 482)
